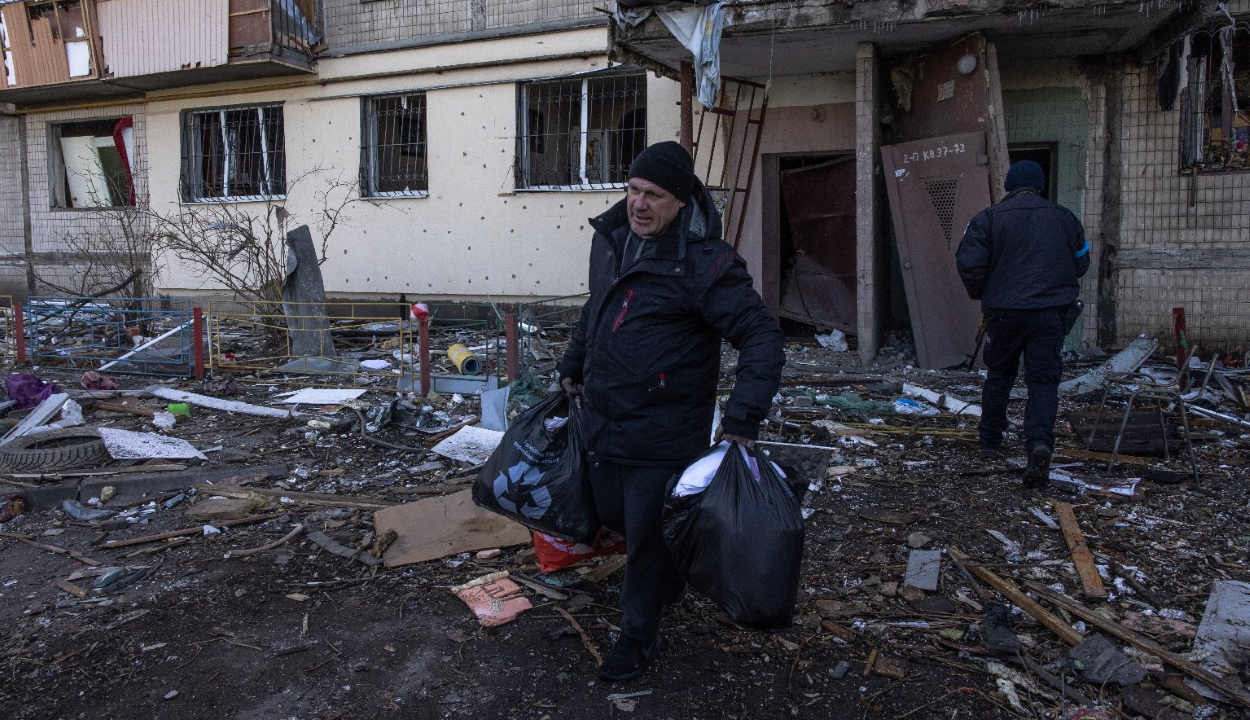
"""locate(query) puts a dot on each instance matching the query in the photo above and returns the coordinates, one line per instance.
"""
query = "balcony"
(91, 50)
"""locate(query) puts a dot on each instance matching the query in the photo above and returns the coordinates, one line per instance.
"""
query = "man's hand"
(572, 388)
(747, 443)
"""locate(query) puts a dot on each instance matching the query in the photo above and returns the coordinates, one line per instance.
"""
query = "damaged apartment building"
(473, 139)
(850, 143)
(886, 126)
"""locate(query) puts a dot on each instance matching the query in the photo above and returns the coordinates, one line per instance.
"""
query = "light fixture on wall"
(966, 64)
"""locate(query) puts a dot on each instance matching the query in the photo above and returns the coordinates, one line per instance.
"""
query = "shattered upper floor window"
(581, 132)
(393, 154)
(1210, 70)
(236, 153)
(92, 163)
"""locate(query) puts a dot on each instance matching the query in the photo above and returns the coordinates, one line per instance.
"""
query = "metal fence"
(145, 336)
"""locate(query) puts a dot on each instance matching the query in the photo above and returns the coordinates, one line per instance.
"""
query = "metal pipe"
(1216, 416)
(423, 325)
(513, 346)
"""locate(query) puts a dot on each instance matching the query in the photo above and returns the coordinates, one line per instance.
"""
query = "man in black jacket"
(1022, 258)
(645, 358)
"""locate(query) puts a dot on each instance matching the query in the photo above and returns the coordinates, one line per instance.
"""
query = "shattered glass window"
(393, 155)
(91, 163)
(1215, 98)
(234, 153)
(581, 132)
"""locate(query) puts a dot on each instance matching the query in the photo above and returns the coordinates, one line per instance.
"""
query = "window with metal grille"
(1215, 98)
(236, 153)
(582, 132)
(393, 153)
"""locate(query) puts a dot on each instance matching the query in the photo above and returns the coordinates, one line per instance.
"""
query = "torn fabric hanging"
(699, 31)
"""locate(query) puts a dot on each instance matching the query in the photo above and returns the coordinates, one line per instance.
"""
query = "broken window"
(393, 154)
(6, 54)
(581, 132)
(67, 24)
(1215, 98)
(234, 153)
(91, 163)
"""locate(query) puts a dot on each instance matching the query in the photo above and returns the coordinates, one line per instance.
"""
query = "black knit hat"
(668, 165)
(1025, 174)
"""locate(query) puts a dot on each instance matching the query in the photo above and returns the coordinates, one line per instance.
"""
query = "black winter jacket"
(647, 345)
(1024, 253)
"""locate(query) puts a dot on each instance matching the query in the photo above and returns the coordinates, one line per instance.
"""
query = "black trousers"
(630, 500)
(1037, 336)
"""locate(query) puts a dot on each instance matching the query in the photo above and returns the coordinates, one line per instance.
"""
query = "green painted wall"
(1056, 115)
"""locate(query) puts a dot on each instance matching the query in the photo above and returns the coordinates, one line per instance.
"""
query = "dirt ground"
(299, 632)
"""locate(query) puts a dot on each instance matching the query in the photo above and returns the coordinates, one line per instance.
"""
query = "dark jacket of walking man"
(645, 358)
(1022, 258)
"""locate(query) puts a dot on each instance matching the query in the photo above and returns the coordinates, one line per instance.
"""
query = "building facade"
(447, 149)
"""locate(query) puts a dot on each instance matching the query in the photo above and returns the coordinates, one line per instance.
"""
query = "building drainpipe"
(687, 107)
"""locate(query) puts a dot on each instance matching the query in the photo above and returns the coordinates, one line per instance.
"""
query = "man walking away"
(645, 358)
(1022, 259)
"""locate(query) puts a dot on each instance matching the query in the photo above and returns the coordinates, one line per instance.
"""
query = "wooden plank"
(188, 531)
(1009, 590)
(298, 497)
(1091, 583)
(171, 467)
(1141, 643)
(52, 548)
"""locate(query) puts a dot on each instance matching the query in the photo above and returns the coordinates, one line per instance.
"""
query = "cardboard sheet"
(438, 527)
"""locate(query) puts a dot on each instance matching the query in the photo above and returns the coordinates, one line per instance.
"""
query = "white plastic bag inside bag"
(695, 478)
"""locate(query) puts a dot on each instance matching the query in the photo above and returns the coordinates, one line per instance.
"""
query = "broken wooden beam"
(299, 497)
(52, 548)
(1141, 643)
(188, 531)
(1008, 589)
(1091, 582)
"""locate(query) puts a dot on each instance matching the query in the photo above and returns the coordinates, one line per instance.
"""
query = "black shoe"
(991, 454)
(627, 659)
(1037, 471)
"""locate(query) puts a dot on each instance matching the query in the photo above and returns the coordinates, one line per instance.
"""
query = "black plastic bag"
(740, 541)
(538, 476)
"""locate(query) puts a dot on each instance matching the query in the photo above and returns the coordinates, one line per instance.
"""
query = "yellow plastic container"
(464, 360)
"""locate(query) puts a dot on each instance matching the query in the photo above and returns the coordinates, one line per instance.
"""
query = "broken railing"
(144, 336)
(534, 321)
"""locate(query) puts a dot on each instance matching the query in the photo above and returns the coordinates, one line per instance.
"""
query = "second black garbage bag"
(739, 540)
(537, 475)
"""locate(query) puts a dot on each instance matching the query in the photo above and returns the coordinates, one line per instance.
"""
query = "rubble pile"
(307, 544)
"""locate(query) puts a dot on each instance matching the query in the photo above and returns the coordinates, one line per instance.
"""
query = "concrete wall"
(355, 25)
(807, 114)
(1058, 115)
(12, 224)
(475, 235)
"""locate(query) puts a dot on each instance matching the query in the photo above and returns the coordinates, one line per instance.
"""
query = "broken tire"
(53, 450)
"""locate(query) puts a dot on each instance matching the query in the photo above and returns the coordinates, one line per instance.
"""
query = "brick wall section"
(1183, 238)
(352, 24)
(12, 233)
(50, 226)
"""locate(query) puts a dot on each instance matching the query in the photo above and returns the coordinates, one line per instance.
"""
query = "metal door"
(820, 209)
(936, 186)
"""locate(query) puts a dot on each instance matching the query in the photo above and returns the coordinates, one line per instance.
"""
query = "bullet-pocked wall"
(475, 234)
(1183, 238)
